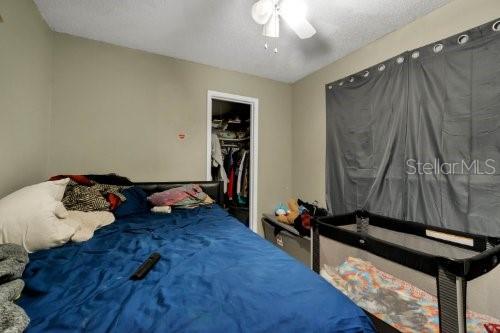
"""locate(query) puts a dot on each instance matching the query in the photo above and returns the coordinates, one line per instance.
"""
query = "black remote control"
(146, 266)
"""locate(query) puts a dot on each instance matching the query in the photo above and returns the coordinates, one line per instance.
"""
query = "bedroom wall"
(121, 110)
(308, 115)
(25, 94)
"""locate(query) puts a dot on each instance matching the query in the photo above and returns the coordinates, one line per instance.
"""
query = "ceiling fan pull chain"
(276, 28)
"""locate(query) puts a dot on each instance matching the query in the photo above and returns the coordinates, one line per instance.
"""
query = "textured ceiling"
(222, 33)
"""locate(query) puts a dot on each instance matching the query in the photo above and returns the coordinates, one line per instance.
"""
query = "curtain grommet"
(462, 39)
(341, 83)
(330, 87)
(366, 74)
(400, 60)
(496, 26)
(381, 68)
(438, 48)
(415, 55)
(351, 79)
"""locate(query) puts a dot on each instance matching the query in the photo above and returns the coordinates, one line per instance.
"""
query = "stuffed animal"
(281, 212)
(287, 213)
(293, 211)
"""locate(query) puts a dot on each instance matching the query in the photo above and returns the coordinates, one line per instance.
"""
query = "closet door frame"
(254, 144)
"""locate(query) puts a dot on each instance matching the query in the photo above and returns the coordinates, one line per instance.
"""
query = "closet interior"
(231, 154)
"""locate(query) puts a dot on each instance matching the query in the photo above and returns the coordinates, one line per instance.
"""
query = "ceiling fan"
(293, 12)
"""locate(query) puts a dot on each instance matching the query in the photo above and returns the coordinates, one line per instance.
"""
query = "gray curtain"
(417, 137)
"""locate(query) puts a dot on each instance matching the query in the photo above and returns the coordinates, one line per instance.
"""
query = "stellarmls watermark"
(475, 167)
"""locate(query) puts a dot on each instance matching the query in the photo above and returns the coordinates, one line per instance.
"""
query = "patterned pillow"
(84, 198)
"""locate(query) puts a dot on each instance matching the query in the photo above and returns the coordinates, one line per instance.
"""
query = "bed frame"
(451, 274)
(214, 189)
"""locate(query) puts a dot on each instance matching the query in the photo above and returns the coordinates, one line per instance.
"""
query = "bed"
(214, 275)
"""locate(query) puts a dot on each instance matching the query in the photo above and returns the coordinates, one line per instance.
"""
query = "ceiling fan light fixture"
(272, 27)
(269, 12)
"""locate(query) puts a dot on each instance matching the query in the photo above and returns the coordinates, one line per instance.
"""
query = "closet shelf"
(234, 140)
(238, 121)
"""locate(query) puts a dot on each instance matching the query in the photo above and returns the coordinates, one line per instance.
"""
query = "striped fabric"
(89, 198)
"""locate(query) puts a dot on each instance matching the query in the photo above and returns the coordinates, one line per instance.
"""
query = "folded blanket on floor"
(13, 259)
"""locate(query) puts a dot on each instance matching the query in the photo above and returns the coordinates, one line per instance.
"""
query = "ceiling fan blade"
(294, 14)
(301, 27)
(262, 11)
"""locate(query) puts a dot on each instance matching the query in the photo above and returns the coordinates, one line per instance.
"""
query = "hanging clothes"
(240, 173)
(218, 160)
(230, 185)
(230, 141)
(246, 178)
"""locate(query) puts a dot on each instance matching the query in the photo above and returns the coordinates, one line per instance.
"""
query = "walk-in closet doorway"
(232, 156)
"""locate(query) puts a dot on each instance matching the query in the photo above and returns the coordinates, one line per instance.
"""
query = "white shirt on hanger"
(240, 172)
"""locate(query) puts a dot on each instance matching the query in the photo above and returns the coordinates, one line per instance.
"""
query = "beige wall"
(117, 109)
(308, 117)
(25, 94)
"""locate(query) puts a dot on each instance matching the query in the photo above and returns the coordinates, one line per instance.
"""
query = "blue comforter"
(214, 276)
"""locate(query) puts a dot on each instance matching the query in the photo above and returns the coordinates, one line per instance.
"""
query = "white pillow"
(55, 188)
(28, 217)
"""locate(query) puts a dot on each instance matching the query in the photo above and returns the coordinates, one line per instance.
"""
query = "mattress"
(215, 275)
(396, 302)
